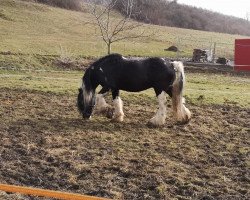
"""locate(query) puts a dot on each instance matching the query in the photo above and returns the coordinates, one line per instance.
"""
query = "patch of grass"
(218, 89)
(55, 82)
(27, 61)
(200, 89)
(4, 16)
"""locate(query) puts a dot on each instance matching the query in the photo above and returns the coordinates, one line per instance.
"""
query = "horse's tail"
(181, 113)
(86, 96)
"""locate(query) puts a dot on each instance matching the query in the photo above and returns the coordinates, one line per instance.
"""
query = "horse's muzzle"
(86, 117)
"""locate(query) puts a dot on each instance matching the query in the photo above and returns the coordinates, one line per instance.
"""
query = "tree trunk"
(109, 48)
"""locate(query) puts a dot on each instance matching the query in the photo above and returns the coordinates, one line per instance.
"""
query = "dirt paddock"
(45, 143)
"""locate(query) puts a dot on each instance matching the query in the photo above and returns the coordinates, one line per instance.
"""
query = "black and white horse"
(114, 72)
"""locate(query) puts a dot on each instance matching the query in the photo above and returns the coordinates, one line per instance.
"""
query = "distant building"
(242, 55)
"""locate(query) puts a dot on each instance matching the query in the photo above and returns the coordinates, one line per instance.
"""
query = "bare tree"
(247, 16)
(113, 29)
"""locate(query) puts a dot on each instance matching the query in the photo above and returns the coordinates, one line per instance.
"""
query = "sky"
(237, 8)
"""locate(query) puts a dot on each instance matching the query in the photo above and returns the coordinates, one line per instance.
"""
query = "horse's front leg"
(160, 116)
(101, 107)
(118, 114)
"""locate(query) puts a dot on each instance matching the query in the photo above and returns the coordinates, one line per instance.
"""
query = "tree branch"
(112, 29)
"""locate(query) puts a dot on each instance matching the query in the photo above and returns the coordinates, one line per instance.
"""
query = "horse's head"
(85, 103)
(86, 95)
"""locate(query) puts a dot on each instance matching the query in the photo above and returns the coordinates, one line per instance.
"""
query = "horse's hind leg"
(118, 106)
(181, 113)
(160, 116)
(101, 107)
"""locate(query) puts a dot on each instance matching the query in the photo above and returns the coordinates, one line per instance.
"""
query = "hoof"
(151, 125)
(184, 118)
(184, 121)
(154, 123)
(117, 118)
(87, 118)
(107, 112)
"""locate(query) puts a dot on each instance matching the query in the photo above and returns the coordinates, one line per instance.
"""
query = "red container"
(242, 55)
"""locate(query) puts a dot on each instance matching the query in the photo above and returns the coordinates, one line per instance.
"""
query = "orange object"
(46, 193)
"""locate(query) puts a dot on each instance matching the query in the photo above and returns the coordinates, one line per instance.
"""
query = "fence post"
(214, 52)
(178, 48)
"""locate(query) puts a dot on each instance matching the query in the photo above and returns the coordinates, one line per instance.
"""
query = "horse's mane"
(112, 57)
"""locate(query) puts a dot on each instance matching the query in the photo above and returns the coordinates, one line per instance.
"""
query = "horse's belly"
(133, 82)
(135, 88)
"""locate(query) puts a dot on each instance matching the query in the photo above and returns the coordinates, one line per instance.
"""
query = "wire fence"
(217, 49)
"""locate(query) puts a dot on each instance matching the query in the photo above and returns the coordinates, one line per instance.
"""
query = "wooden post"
(178, 49)
(214, 52)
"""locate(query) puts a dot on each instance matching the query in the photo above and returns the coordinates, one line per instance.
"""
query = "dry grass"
(45, 143)
(40, 29)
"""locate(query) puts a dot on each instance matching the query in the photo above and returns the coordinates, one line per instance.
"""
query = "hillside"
(34, 35)
(171, 13)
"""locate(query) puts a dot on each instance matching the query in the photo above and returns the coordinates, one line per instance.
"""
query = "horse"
(115, 72)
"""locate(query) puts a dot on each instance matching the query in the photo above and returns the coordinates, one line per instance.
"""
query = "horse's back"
(135, 74)
(160, 70)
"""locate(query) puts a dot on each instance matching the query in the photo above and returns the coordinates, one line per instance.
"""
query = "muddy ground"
(45, 144)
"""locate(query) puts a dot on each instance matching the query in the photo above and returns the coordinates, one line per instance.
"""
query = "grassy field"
(45, 143)
(34, 35)
(200, 88)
